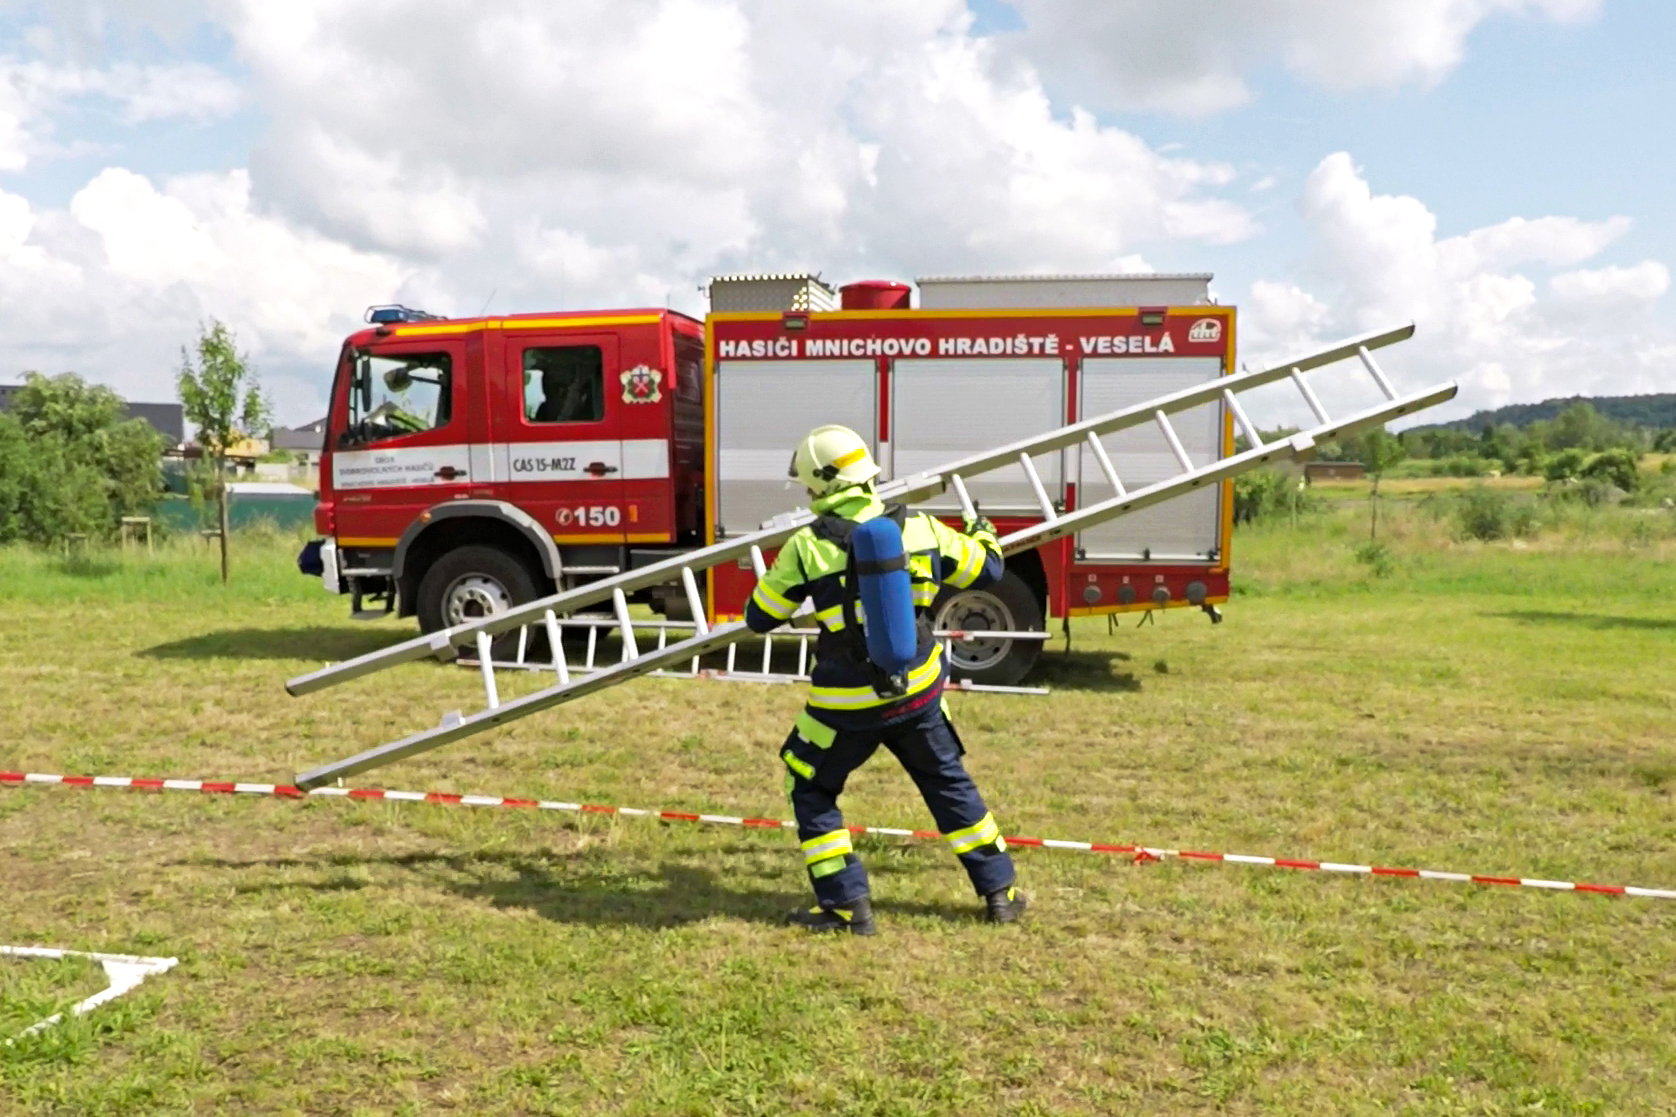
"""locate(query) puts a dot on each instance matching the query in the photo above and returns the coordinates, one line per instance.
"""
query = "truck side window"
(398, 395)
(564, 384)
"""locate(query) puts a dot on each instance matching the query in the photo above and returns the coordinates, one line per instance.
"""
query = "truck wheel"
(470, 583)
(1007, 605)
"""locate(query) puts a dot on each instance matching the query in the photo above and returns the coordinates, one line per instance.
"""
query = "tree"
(1380, 451)
(69, 462)
(1620, 467)
(222, 398)
(1582, 427)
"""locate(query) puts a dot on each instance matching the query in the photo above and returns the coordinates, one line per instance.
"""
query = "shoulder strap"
(833, 529)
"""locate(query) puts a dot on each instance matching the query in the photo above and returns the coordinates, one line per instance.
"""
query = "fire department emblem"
(640, 385)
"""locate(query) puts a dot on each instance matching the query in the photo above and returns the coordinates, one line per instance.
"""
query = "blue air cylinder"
(887, 595)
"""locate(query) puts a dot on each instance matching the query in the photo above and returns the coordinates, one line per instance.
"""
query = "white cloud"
(1280, 318)
(610, 151)
(16, 223)
(1191, 56)
(1642, 283)
(620, 151)
(1547, 240)
(114, 285)
(33, 92)
(191, 90)
(1378, 262)
(697, 135)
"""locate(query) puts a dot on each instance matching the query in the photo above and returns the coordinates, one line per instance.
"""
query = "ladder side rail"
(442, 644)
(718, 637)
(728, 635)
(1297, 446)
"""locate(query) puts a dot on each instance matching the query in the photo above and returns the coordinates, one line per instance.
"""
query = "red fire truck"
(474, 464)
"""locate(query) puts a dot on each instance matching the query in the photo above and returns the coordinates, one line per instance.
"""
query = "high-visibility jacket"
(811, 568)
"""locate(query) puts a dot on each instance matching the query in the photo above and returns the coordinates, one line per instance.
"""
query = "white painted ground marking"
(125, 972)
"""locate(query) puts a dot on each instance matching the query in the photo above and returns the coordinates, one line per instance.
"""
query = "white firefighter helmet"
(831, 458)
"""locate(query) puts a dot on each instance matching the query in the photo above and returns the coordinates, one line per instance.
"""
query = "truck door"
(561, 429)
(403, 443)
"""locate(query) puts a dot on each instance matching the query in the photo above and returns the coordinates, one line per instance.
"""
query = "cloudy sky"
(1499, 171)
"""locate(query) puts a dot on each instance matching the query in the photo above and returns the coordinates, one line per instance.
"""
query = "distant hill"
(1658, 410)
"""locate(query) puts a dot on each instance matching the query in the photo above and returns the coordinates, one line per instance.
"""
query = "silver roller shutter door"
(762, 409)
(946, 409)
(1185, 528)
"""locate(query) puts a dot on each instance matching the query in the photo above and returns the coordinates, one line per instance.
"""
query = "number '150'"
(593, 515)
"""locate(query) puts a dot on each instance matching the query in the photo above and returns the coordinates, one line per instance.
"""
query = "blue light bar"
(381, 315)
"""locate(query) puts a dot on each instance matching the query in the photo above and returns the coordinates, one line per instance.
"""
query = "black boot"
(1005, 905)
(855, 917)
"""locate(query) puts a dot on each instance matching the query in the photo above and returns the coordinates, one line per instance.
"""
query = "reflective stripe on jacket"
(809, 568)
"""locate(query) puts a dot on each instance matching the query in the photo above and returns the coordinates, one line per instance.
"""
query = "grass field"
(1496, 708)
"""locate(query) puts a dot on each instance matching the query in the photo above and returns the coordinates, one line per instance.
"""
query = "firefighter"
(852, 709)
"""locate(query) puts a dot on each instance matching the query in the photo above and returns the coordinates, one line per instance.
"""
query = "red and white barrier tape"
(1137, 852)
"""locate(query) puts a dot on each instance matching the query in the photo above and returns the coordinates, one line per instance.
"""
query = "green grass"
(1491, 708)
(32, 989)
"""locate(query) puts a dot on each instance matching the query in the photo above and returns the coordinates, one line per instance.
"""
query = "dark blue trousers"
(928, 747)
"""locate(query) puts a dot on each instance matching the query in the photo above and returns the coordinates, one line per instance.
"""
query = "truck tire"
(1007, 605)
(472, 582)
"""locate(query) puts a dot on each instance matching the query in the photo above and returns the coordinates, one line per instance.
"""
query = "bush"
(1567, 465)
(1265, 493)
(1620, 467)
(1377, 557)
(1487, 514)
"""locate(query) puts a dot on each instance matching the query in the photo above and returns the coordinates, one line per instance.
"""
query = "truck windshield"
(398, 395)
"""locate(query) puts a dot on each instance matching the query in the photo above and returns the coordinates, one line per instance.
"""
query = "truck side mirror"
(363, 382)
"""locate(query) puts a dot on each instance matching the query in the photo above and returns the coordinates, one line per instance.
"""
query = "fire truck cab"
(474, 464)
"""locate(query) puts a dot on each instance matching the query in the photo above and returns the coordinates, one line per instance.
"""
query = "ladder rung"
(556, 644)
(1244, 420)
(967, 507)
(486, 664)
(620, 601)
(1175, 443)
(1105, 462)
(695, 601)
(1036, 486)
(1309, 398)
(1376, 372)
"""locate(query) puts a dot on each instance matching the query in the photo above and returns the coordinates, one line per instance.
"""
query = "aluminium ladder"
(593, 624)
(445, 644)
